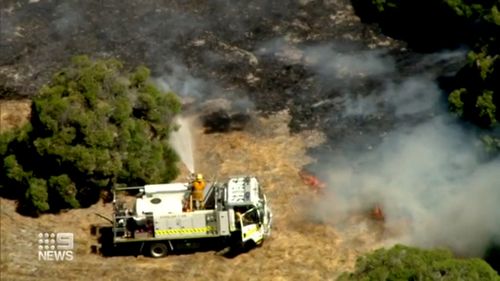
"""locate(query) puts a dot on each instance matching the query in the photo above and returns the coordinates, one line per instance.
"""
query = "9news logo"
(55, 246)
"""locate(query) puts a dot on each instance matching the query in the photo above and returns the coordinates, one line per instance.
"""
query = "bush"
(476, 96)
(92, 127)
(407, 263)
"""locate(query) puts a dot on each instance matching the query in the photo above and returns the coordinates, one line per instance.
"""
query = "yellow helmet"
(199, 176)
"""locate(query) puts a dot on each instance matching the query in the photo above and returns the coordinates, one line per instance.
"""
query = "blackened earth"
(218, 42)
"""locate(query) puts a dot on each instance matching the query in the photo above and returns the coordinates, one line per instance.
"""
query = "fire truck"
(162, 219)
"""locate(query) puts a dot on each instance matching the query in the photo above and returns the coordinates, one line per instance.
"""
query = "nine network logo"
(55, 246)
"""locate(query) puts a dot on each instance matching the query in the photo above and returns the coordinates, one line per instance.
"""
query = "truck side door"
(251, 228)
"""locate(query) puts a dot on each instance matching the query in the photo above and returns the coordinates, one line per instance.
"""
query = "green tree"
(93, 126)
(476, 96)
(407, 263)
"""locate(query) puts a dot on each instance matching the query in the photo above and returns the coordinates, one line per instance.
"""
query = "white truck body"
(236, 209)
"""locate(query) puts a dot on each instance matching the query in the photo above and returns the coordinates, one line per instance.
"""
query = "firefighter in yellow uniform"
(197, 192)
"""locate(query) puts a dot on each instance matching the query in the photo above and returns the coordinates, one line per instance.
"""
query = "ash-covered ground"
(311, 57)
(387, 138)
(210, 48)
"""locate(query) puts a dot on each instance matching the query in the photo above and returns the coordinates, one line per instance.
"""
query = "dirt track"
(298, 250)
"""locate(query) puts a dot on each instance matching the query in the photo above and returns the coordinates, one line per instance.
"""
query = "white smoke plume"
(334, 60)
(202, 92)
(327, 60)
(430, 177)
(183, 83)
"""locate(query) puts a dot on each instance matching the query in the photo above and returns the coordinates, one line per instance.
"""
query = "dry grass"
(298, 250)
(14, 113)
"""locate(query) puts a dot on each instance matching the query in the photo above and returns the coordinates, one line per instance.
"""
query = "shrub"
(93, 126)
(407, 263)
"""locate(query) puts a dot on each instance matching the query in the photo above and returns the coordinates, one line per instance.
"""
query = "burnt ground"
(217, 42)
(256, 51)
(261, 53)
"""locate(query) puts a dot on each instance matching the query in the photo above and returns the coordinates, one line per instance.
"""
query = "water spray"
(182, 142)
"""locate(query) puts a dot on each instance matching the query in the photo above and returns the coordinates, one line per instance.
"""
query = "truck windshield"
(250, 217)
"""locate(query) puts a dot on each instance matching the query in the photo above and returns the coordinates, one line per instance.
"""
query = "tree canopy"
(94, 126)
(407, 263)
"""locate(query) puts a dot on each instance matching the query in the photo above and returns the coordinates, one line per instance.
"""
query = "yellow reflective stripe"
(251, 231)
(177, 231)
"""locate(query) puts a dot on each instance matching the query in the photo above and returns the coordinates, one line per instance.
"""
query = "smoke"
(68, 19)
(412, 96)
(430, 180)
(182, 82)
(429, 176)
(334, 60)
(327, 60)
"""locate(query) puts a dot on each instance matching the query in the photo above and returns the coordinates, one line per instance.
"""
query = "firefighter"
(197, 191)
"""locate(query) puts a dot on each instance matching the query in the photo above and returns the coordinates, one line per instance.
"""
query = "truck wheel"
(158, 250)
